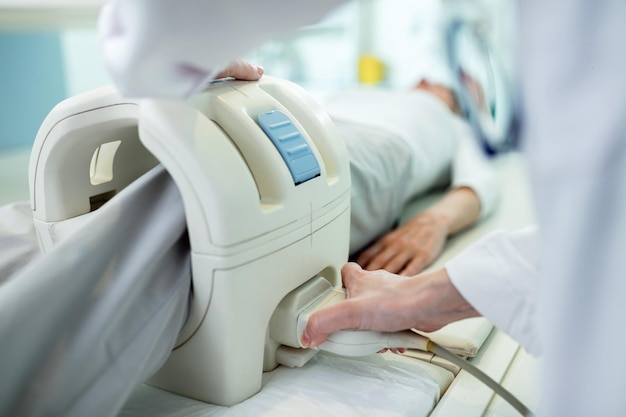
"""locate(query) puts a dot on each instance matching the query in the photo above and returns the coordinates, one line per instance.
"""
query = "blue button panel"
(291, 145)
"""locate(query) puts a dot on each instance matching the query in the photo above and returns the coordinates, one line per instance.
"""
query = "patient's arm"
(473, 192)
(416, 244)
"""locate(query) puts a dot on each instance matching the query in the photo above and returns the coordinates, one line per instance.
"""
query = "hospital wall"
(37, 70)
(31, 81)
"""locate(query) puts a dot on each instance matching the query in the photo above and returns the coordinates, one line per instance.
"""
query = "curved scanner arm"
(240, 197)
(258, 228)
(86, 150)
(215, 147)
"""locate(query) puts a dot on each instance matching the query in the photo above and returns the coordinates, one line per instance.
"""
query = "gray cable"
(481, 376)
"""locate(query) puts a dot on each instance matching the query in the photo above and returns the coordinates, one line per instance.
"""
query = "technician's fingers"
(325, 322)
(349, 270)
(351, 275)
(340, 316)
(242, 70)
(371, 303)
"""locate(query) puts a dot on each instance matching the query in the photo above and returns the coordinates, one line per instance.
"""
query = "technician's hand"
(379, 300)
(408, 249)
(242, 70)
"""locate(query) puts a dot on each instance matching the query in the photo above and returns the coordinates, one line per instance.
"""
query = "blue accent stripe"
(291, 145)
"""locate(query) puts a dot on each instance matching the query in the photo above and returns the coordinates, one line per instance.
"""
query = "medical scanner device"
(265, 182)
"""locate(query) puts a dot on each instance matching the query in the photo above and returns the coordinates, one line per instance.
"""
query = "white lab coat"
(567, 293)
(177, 45)
(566, 290)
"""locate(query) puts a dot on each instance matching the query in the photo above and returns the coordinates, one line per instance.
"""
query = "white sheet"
(18, 241)
(326, 386)
(83, 325)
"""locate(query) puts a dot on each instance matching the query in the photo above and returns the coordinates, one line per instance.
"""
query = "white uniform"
(575, 101)
(575, 140)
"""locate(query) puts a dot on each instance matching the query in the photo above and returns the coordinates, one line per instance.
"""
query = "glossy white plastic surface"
(255, 235)
(59, 171)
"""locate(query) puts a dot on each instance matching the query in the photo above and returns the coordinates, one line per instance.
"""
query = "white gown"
(568, 292)
(402, 144)
(86, 323)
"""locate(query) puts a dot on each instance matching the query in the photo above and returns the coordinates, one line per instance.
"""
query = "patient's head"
(442, 92)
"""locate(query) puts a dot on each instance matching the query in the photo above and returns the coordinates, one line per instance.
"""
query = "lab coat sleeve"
(498, 275)
(169, 49)
(472, 168)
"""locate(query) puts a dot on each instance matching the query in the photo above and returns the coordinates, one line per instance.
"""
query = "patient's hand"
(416, 244)
(410, 248)
(242, 70)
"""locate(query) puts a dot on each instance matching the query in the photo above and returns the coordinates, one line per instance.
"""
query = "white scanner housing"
(266, 212)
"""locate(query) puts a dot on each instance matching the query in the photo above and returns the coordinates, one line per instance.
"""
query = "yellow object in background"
(371, 70)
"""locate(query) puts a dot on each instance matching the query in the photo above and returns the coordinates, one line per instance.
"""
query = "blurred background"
(49, 51)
